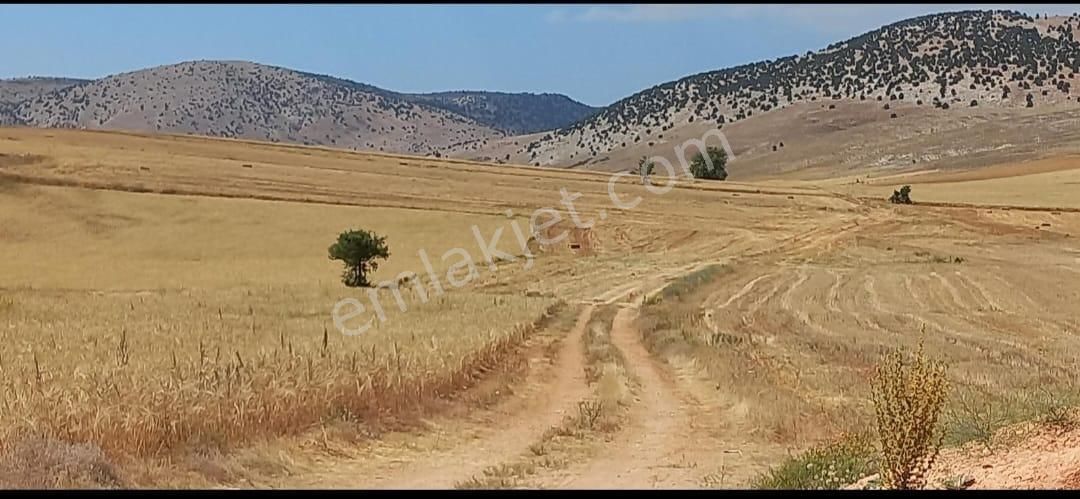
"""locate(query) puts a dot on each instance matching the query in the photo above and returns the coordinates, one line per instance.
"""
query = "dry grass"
(151, 371)
(40, 463)
(1019, 185)
(789, 344)
(762, 393)
(908, 400)
(147, 325)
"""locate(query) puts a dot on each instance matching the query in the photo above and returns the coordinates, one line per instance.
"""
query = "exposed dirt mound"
(1073, 480)
(1045, 457)
(565, 237)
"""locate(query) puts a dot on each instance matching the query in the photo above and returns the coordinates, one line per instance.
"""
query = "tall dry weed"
(908, 400)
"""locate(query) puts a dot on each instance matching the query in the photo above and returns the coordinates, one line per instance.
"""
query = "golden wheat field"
(166, 314)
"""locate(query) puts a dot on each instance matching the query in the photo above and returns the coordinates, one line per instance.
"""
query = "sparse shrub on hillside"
(710, 165)
(358, 250)
(645, 169)
(908, 400)
(902, 196)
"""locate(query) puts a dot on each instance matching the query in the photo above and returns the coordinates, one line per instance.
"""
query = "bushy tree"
(358, 250)
(710, 165)
(902, 196)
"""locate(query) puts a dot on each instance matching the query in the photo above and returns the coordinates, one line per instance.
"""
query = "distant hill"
(511, 113)
(253, 101)
(16, 90)
(923, 70)
(940, 62)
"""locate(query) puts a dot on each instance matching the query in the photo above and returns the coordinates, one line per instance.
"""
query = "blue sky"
(594, 53)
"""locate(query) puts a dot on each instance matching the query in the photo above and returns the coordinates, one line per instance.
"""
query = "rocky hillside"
(940, 62)
(253, 101)
(7, 114)
(514, 114)
(17, 90)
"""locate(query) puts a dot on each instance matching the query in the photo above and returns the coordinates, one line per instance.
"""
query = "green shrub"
(711, 165)
(902, 196)
(827, 467)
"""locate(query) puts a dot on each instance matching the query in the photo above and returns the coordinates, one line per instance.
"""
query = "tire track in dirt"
(832, 302)
(853, 311)
(1015, 291)
(914, 296)
(961, 325)
(919, 320)
(648, 452)
(975, 315)
(768, 297)
(979, 291)
(505, 434)
(758, 319)
(710, 310)
(802, 313)
(998, 314)
(1015, 310)
(954, 294)
(506, 441)
(742, 292)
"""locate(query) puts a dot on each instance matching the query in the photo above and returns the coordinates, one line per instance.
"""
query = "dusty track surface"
(651, 452)
(654, 451)
(553, 387)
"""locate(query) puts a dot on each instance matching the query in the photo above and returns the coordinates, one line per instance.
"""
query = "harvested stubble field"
(167, 301)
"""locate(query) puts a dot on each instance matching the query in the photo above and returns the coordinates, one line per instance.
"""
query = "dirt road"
(648, 454)
(489, 437)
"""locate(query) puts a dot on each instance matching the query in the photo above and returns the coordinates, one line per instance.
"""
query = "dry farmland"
(165, 316)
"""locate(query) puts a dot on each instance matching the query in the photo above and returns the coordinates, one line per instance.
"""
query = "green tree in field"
(710, 165)
(902, 196)
(359, 249)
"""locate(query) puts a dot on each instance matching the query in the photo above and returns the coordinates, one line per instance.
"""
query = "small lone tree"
(645, 168)
(710, 165)
(902, 196)
(359, 249)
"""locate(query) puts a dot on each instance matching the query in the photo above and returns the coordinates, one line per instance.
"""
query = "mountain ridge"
(347, 113)
(922, 65)
(941, 61)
